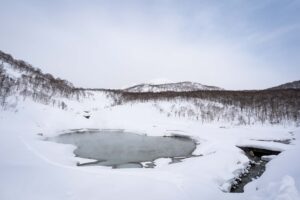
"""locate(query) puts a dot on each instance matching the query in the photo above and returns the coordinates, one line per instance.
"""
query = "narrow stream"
(255, 169)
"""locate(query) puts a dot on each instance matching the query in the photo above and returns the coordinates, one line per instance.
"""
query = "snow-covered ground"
(34, 169)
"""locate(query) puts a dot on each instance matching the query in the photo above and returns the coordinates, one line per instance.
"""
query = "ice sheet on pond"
(121, 149)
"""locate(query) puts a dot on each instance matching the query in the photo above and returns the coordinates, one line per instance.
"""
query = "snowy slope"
(20, 80)
(291, 85)
(176, 87)
(33, 168)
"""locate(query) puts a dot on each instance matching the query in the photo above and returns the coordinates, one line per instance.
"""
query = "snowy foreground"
(34, 169)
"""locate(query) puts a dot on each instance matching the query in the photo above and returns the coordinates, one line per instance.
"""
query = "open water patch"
(121, 149)
(258, 159)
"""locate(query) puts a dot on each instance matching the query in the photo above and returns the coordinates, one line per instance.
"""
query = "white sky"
(237, 44)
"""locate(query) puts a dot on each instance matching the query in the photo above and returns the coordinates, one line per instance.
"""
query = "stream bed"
(257, 166)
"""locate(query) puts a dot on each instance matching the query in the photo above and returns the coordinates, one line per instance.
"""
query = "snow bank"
(34, 169)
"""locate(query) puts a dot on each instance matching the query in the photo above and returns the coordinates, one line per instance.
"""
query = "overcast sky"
(234, 44)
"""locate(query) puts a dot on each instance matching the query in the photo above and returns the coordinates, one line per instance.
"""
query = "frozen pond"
(121, 149)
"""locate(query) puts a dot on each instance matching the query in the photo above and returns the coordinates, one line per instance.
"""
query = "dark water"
(120, 149)
(255, 169)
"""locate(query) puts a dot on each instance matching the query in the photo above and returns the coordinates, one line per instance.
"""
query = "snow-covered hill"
(291, 85)
(33, 168)
(20, 80)
(175, 87)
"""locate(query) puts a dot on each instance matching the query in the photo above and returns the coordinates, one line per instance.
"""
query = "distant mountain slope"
(239, 107)
(20, 79)
(175, 87)
(290, 85)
